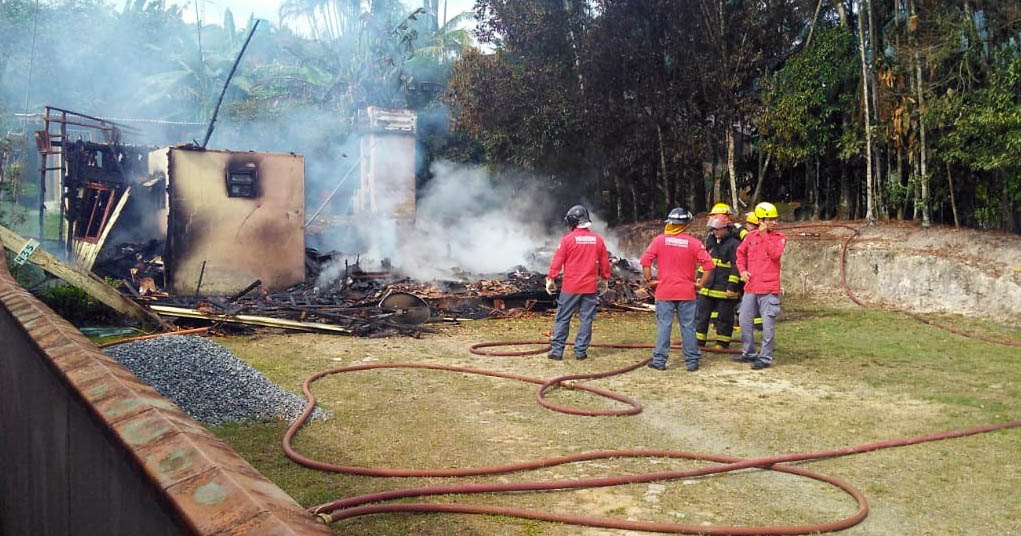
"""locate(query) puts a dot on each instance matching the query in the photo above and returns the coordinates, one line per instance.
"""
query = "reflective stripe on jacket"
(725, 276)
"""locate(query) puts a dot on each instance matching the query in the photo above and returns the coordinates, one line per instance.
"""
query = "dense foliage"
(874, 109)
(643, 104)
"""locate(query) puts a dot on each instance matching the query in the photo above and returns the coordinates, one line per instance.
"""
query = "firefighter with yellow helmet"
(751, 223)
(758, 262)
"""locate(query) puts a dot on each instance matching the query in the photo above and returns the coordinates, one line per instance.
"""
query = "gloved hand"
(604, 285)
(551, 286)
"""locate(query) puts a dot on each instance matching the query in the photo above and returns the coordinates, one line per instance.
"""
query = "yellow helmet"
(765, 210)
(750, 218)
(720, 208)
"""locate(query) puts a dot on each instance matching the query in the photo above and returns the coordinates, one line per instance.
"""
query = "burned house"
(387, 143)
(182, 219)
(232, 218)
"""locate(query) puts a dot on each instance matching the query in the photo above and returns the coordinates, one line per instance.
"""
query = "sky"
(212, 10)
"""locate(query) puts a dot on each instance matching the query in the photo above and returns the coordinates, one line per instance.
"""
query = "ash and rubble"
(352, 293)
(207, 381)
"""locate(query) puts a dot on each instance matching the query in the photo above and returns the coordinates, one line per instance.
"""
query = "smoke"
(147, 64)
(466, 222)
(468, 225)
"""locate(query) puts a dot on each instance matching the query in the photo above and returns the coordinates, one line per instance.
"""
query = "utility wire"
(31, 55)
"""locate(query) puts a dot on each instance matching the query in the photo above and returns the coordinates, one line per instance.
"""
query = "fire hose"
(363, 504)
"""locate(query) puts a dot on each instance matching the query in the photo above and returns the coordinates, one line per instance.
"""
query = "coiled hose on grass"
(363, 504)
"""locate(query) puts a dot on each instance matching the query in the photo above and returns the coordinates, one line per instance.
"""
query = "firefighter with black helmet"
(718, 298)
(676, 255)
(583, 258)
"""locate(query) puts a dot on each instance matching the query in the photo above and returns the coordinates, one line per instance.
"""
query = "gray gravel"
(206, 380)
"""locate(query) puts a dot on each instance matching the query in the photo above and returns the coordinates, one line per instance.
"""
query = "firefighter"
(676, 254)
(718, 298)
(758, 261)
(752, 223)
(722, 212)
(585, 263)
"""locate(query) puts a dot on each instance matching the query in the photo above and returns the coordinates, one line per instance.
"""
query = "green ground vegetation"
(843, 376)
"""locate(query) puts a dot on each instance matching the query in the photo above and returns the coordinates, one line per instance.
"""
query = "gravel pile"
(206, 380)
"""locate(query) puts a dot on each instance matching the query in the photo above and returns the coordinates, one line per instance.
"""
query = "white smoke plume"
(468, 224)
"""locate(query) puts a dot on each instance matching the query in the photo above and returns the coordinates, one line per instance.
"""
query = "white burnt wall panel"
(235, 217)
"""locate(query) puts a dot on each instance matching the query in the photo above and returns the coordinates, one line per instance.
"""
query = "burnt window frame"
(90, 206)
(252, 187)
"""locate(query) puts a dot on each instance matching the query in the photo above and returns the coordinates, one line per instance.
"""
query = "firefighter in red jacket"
(585, 262)
(676, 254)
(751, 223)
(758, 261)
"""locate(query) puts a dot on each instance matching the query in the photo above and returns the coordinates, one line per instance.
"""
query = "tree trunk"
(662, 168)
(844, 200)
(634, 201)
(870, 216)
(841, 12)
(691, 194)
(815, 190)
(926, 222)
(901, 207)
(828, 199)
(811, 29)
(763, 167)
(1007, 208)
(953, 202)
(716, 183)
(915, 196)
(874, 92)
(731, 168)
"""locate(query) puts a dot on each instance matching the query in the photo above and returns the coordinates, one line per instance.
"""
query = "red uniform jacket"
(677, 256)
(759, 255)
(582, 255)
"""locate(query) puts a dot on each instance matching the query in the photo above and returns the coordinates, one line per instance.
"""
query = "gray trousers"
(567, 304)
(768, 307)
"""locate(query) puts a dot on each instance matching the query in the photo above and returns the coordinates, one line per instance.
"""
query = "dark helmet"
(679, 216)
(577, 214)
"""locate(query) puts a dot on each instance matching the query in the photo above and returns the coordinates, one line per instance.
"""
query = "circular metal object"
(410, 309)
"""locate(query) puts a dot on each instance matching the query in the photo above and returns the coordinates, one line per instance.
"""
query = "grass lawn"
(843, 376)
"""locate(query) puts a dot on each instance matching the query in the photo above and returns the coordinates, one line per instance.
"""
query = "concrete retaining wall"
(936, 270)
(915, 280)
(86, 448)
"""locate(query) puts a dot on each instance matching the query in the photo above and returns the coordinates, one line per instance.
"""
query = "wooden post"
(85, 280)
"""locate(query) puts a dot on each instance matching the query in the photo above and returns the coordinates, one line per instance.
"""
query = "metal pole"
(237, 60)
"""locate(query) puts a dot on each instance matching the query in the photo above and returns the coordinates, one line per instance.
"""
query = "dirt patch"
(843, 376)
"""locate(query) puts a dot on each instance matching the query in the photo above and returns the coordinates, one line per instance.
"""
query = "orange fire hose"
(851, 295)
(153, 336)
(360, 505)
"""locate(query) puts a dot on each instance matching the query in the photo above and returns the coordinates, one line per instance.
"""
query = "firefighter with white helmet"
(758, 261)
(676, 254)
(583, 258)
